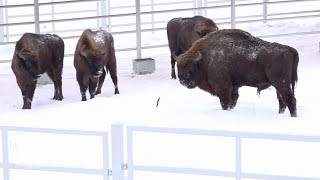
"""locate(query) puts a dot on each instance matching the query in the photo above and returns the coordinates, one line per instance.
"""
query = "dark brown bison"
(182, 32)
(94, 53)
(34, 55)
(225, 60)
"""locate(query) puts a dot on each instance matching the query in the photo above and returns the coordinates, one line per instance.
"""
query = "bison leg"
(101, 80)
(92, 87)
(224, 95)
(28, 95)
(234, 97)
(173, 72)
(113, 73)
(282, 105)
(83, 85)
(287, 96)
(56, 78)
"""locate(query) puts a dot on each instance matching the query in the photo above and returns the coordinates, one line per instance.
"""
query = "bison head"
(189, 68)
(30, 62)
(94, 60)
(205, 26)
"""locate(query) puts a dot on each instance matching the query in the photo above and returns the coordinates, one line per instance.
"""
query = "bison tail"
(294, 77)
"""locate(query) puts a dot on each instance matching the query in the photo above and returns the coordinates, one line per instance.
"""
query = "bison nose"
(183, 82)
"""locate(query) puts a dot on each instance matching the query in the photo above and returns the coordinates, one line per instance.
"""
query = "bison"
(182, 32)
(36, 54)
(225, 60)
(94, 51)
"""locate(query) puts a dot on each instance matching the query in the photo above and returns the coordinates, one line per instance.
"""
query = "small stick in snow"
(158, 102)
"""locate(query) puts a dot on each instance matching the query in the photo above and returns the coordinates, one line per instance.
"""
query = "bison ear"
(24, 54)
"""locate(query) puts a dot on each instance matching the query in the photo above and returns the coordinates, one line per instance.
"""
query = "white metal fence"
(7, 165)
(135, 18)
(119, 141)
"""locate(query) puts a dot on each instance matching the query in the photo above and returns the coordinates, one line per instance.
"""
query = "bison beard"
(226, 60)
(94, 55)
(36, 54)
(182, 32)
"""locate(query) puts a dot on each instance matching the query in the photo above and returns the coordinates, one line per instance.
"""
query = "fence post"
(36, 17)
(1, 22)
(53, 28)
(233, 14)
(205, 4)
(105, 154)
(152, 15)
(7, 20)
(103, 9)
(5, 154)
(265, 11)
(138, 29)
(117, 151)
(238, 158)
(199, 5)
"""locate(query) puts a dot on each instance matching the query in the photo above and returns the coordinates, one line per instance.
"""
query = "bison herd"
(216, 61)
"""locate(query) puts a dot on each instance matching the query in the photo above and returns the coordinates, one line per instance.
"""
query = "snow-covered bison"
(36, 54)
(225, 60)
(95, 52)
(182, 32)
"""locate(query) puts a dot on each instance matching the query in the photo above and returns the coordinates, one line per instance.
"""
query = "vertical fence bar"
(265, 11)
(53, 17)
(7, 20)
(138, 29)
(152, 16)
(109, 13)
(103, 9)
(199, 5)
(36, 17)
(205, 5)
(117, 151)
(233, 14)
(105, 157)
(130, 153)
(5, 154)
(1, 22)
(194, 6)
(238, 158)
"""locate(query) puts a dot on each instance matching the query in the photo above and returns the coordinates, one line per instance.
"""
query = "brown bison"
(94, 51)
(225, 60)
(34, 55)
(182, 32)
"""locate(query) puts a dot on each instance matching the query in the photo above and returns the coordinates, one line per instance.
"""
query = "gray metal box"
(144, 66)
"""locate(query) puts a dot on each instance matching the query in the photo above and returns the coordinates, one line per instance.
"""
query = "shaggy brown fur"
(182, 32)
(34, 55)
(225, 60)
(94, 55)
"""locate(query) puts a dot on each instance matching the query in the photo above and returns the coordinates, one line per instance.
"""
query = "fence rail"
(118, 142)
(238, 136)
(106, 12)
(6, 165)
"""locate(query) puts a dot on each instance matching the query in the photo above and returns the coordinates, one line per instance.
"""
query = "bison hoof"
(84, 99)
(116, 91)
(281, 110)
(294, 114)
(98, 92)
(26, 107)
(173, 77)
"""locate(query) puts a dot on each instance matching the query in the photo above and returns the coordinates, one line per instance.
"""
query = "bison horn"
(199, 57)
(83, 53)
(174, 55)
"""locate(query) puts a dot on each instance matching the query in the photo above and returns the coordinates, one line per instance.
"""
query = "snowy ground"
(178, 107)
